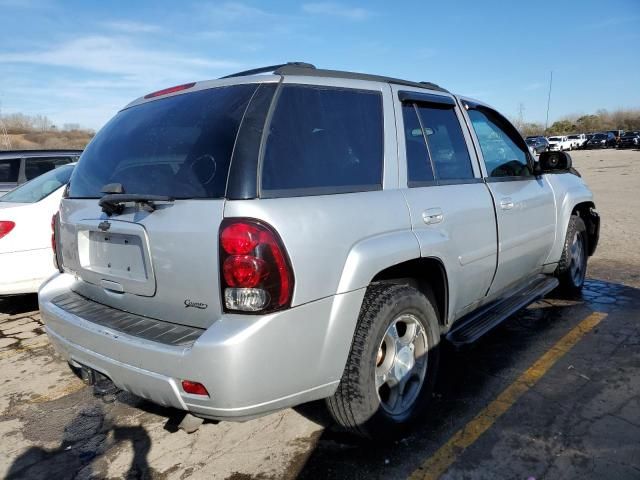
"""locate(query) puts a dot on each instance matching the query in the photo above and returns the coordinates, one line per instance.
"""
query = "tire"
(365, 403)
(572, 267)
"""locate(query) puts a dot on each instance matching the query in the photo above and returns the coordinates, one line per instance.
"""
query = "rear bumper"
(24, 272)
(250, 365)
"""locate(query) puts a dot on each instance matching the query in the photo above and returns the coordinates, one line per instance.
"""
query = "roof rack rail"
(270, 68)
(431, 85)
(295, 69)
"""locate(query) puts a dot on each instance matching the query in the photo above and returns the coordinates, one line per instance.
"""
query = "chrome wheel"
(578, 265)
(401, 364)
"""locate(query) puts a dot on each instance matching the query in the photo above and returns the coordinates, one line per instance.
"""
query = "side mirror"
(552, 162)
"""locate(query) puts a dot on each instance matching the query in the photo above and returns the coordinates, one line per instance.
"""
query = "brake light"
(169, 90)
(256, 274)
(5, 227)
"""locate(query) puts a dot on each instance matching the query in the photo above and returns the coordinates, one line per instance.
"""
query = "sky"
(81, 61)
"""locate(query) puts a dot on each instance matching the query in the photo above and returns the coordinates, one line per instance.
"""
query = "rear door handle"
(432, 215)
(506, 203)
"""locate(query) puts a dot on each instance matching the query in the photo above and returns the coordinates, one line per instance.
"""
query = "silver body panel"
(255, 364)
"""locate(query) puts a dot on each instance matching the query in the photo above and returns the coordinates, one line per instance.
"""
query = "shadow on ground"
(85, 438)
(17, 304)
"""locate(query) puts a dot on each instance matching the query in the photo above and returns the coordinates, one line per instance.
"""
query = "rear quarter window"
(323, 140)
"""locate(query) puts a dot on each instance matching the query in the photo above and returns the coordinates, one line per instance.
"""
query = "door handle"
(432, 215)
(506, 203)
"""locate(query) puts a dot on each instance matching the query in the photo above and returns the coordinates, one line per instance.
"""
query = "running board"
(474, 325)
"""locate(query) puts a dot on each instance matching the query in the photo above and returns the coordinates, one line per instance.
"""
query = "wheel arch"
(586, 211)
(428, 275)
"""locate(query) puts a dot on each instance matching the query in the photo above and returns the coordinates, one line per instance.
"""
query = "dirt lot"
(552, 393)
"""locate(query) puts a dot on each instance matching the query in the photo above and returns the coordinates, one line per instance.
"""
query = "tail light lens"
(256, 274)
(5, 227)
(194, 388)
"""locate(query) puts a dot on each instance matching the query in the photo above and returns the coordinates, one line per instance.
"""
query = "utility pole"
(521, 114)
(546, 122)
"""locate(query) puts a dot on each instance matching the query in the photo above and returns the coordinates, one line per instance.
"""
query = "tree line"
(602, 120)
(19, 123)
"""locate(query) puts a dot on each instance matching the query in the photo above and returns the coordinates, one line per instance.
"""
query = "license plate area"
(116, 257)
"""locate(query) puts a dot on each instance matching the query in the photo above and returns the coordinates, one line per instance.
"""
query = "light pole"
(546, 122)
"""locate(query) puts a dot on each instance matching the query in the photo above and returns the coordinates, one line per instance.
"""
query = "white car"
(559, 143)
(577, 140)
(26, 256)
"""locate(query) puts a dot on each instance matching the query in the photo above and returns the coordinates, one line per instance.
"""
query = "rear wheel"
(572, 267)
(392, 365)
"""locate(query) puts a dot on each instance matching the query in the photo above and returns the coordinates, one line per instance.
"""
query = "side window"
(9, 170)
(501, 144)
(323, 140)
(34, 167)
(419, 167)
(446, 143)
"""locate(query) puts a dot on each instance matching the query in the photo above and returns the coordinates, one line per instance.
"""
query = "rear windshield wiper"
(115, 202)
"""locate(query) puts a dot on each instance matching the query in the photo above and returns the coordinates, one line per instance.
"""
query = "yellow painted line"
(446, 455)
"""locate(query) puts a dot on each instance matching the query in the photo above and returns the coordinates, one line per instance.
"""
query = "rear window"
(34, 167)
(323, 140)
(178, 146)
(9, 170)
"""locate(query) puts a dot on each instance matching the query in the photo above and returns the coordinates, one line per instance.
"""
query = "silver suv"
(238, 246)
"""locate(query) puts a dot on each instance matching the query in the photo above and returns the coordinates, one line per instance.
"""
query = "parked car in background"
(629, 140)
(20, 166)
(577, 140)
(26, 255)
(537, 144)
(559, 143)
(601, 140)
(617, 135)
(218, 254)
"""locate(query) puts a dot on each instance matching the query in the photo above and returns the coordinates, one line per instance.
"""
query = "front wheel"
(392, 365)
(572, 267)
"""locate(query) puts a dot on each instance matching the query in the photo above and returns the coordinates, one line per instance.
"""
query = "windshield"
(40, 187)
(573, 136)
(599, 136)
(531, 141)
(177, 146)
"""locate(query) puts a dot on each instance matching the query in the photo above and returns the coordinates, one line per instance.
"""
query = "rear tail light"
(255, 272)
(5, 227)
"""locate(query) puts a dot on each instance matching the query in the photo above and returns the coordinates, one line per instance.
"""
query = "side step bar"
(474, 325)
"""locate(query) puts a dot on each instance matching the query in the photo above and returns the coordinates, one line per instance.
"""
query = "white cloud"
(533, 86)
(337, 10)
(131, 27)
(120, 56)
